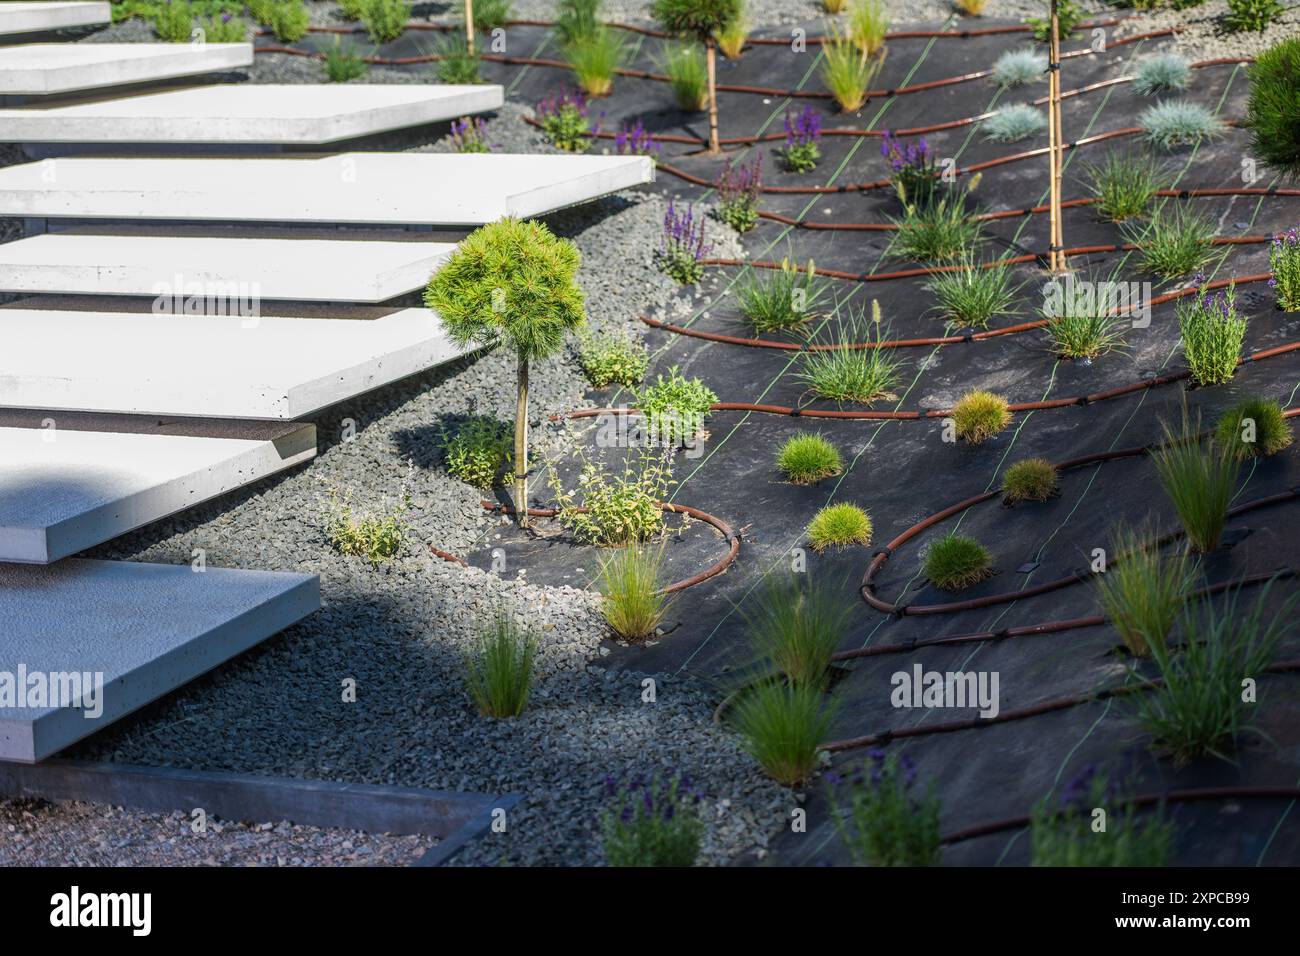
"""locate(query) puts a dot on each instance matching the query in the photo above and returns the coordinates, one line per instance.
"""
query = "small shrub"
(912, 169)
(868, 24)
(1252, 16)
(342, 63)
(687, 76)
(172, 21)
(224, 28)
(1068, 17)
(955, 561)
(490, 14)
(1176, 242)
(1199, 481)
(456, 65)
(566, 122)
(1143, 591)
(939, 231)
(975, 294)
(675, 407)
(1164, 72)
(738, 191)
(469, 135)
(783, 726)
(781, 300)
(385, 20)
(1212, 334)
(612, 358)
(1255, 427)
(576, 20)
(1284, 263)
(860, 375)
(499, 672)
(802, 152)
(635, 140)
(682, 246)
(838, 526)
(879, 819)
(1198, 709)
(1019, 67)
(798, 625)
(653, 823)
(846, 71)
(375, 536)
(622, 508)
(1030, 479)
(1064, 836)
(1014, 123)
(633, 602)
(594, 59)
(1179, 123)
(478, 452)
(806, 458)
(979, 415)
(287, 19)
(732, 38)
(1124, 184)
(1273, 108)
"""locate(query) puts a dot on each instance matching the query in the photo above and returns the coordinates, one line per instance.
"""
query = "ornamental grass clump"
(739, 186)
(675, 407)
(594, 59)
(682, 246)
(802, 133)
(1284, 264)
(385, 20)
(1124, 184)
(807, 458)
(797, 624)
(1013, 123)
(782, 725)
(613, 508)
(514, 284)
(979, 415)
(1273, 108)
(1143, 590)
(1030, 479)
(912, 169)
(838, 526)
(732, 38)
(612, 358)
(499, 669)
(1019, 67)
(457, 64)
(1212, 333)
(1174, 123)
(687, 76)
(1162, 73)
(849, 374)
(846, 70)
(937, 231)
(576, 20)
(972, 8)
(1199, 709)
(343, 63)
(377, 534)
(632, 596)
(566, 121)
(653, 822)
(1174, 243)
(1255, 427)
(1065, 835)
(868, 24)
(1199, 479)
(700, 21)
(954, 562)
(880, 819)
(478, 452)
(490, 14)
(635, 140)
(783, 299)
(974, 294)
(1083, 318)
(469, 135)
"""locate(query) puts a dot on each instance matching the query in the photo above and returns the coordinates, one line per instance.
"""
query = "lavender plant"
(879, 818)
(911, 168)
(738, 189)
(802, 132)
(1065, 835)
(683, 246)
(655, 822)
(566, 121)
(635, 140)
(469, 135)
(1212, 333)
(1284, 263)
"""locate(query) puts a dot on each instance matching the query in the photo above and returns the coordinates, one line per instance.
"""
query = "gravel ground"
(36, 833)
(1204, 37)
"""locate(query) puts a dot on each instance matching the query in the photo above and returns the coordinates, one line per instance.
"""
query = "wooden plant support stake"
(1056, 244)
(469, 25)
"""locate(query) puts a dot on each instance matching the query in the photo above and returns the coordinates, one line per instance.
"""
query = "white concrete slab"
(117, 635)
(64, 488)
(38, 69)
(274, 368)
(248, 114)
(233, 269)
(18, 18)
(379, 188)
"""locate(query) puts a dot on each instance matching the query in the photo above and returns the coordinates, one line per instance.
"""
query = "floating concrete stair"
(224, 270)
(354, 188)
(146, 629)
(247, 114)
(273, 368)
(40, 69)
(17, 18)
(72, 481)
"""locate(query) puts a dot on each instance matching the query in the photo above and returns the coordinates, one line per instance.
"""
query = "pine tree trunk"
(469, 25)
(521, 446)
(710, 54)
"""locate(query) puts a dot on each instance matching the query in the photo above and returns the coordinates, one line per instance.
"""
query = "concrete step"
(267, 368)
(354, 188)
(230, 273)
(108, 637)
(302, 114)
(39, 69)
(71, 481)
(18, 18)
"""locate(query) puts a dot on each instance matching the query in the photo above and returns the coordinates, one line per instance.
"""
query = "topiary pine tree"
(511, 283)
(701, 20)
(1273, 111)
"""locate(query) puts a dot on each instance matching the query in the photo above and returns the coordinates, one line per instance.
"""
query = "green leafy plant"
(1014, 123)
(457, 64)
(1252, 16)
(1068, 18)
(172, 21)
(1124, 184)
(385, 20)
(576, 20)
(1143, 591)
(974, 294)
(838, 526)
(352, 9)
(612, 358)
(1173, 123)
(880, 820)
(342, 63)
(675, 407)
(1254, 427)
(979, 415)
(687, 76)
(499, 671)
(223, 28)
(287, 19)
(1273, 108)
(1199, 480)
(806, 458)
(374, 535)
(1284, 263)
(846, 71)
(782, 726)
(937, 231)
(1019, 67)
(634, 603)
(566, 122)
(1212, 334)
(653, 823)
(1064, 835)
(868, 24)
(797, 625)
(700, 20)
(1030, 479)
(614, 508)
(478, 451)
(954, 562)
(511, 283)
(1164, 72)
(739, 186)
(594, 60)
(781, 300)
(851, 373)
(1176, 242)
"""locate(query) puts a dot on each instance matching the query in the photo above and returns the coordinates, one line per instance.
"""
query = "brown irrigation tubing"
(931, 340)
(1145, 800)
(1020, 713)
(732, 536)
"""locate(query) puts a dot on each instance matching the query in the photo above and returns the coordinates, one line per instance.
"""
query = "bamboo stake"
(469, 25)
(1056, 244)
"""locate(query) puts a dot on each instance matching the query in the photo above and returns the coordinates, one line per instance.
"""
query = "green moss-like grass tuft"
(955, 561)
(839, 525)
(1255, 427)
(806, 458)
(979, 415)
(1031, 479)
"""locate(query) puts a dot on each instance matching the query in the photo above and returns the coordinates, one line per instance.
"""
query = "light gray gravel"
(1204, 37)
